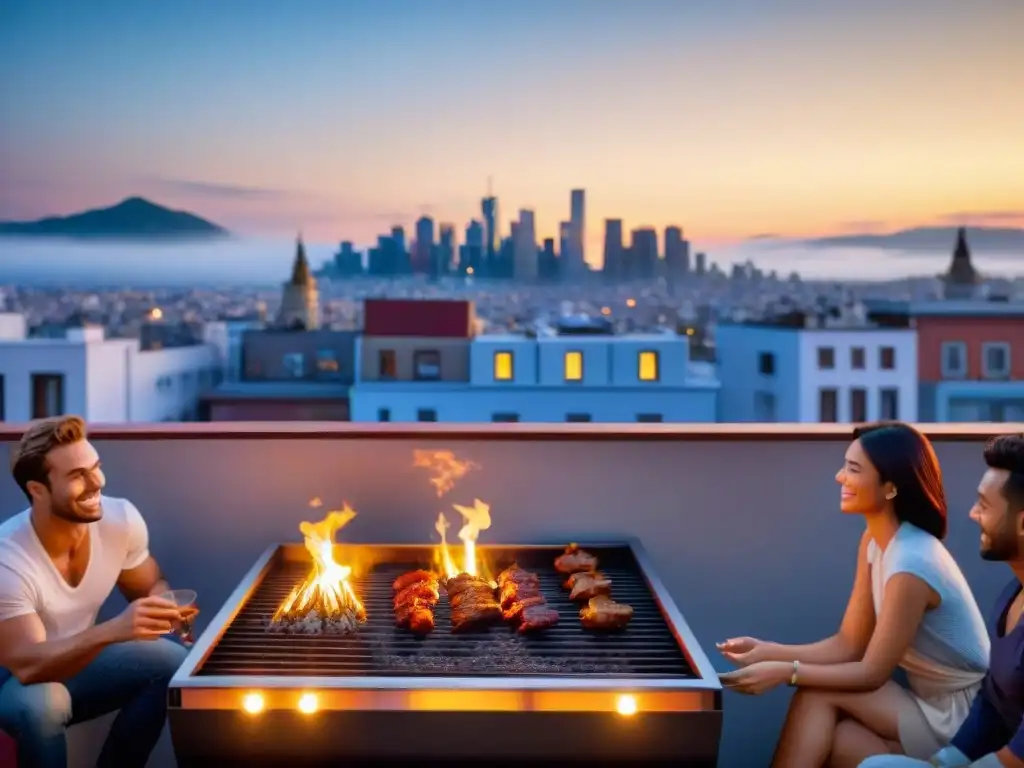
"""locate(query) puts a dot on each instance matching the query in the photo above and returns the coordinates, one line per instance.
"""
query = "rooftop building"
(827, 365)
(104, 380)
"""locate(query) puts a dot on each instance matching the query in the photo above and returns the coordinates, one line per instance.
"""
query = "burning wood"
(325, 602)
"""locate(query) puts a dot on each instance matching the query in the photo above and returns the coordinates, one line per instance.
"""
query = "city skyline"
(730, 120)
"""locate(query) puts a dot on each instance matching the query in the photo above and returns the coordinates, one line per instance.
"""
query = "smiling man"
(59, 561)
(992, 736)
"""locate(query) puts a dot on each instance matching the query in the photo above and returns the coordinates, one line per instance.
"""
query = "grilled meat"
(575, 560)
(514, 611)
(537, 617)
(588, 585)
(472, 602)
(427, 591)
(513, 592)
(475, 613)
(410, 578)
(602, 612)
(415, 615)
(516, 575)
(414, 601)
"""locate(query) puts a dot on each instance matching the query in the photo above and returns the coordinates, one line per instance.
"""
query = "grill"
(568, 694)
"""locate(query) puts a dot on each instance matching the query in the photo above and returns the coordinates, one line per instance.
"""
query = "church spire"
(300, 269)
(962, 277)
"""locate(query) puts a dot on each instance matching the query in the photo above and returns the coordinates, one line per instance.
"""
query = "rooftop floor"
(741, 522)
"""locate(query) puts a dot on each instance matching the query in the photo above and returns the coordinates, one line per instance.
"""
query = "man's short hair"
(1006, 452)
(28, 459)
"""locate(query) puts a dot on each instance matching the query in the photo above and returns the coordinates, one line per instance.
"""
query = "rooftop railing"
(742, 522)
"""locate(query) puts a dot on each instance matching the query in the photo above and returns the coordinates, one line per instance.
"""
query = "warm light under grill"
(626, 705)
(253, 703)
(308, 703)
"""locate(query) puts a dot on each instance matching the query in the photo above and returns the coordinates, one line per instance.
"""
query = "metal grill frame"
(188, 687)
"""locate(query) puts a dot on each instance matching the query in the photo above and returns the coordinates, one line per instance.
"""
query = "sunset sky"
(342, 117)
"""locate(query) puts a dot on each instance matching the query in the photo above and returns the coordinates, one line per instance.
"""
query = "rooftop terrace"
(741, 521)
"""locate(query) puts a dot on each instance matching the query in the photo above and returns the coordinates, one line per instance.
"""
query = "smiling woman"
(847, 707)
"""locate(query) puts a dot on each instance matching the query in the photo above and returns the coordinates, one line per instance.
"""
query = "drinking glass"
(183, 598)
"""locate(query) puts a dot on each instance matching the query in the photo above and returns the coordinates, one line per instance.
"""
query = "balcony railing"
(741, 521)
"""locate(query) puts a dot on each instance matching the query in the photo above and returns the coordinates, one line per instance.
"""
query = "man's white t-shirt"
(30, 583)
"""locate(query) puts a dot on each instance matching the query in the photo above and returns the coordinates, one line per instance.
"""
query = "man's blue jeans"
(132, 677)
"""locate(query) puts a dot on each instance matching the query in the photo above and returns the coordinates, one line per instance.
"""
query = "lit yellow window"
(574, 366)
(503, 366)
(648, 366)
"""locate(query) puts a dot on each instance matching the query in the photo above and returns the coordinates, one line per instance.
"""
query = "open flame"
(476, 518)
(445, 468)
(327, 589)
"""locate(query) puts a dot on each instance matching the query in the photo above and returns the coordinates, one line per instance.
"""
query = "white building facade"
(572, 378)
(774, 373)
(103, 380)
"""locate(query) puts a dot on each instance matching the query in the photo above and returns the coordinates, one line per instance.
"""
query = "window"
(766, 364)
(327, 361)
(887, 358)
(890, 405)
(574, 366)
(383, 414)
(294, 364)
(504, 417)
(386, 365)
(995, 360)
(826, 358)
(504, 369)
(954, 359)
(647, 366)
(426, 414)
(426, 365)
(577, 417)
(828, 405)
(857, 358)
(858, 405)
(47, 395)
(649, 418)
(765, 408)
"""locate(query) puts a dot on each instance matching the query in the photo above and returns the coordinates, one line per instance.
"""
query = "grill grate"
(646, 649)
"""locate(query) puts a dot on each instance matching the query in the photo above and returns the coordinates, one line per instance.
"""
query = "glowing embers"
(325, 602)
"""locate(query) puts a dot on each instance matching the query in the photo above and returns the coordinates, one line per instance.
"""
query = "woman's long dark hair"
(904, 457)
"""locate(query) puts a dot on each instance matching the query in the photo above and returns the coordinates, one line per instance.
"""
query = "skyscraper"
(614, 265)
(489, 209)
(677, 253)
(578, 219)
(526, 247)
(421, 256)
(644, 253)
(444, 253)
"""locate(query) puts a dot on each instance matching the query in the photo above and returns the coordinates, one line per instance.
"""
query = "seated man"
(59, 561)
(992, 736)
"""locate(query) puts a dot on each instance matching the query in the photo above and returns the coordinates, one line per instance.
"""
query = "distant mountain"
(999, 239)
(133, 219)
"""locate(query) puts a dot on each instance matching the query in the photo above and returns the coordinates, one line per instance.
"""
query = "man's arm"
(25, 651)
(142, 581)
(140, 574)
(982, 732)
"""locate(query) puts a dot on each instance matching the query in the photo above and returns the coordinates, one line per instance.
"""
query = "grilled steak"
(575, 560)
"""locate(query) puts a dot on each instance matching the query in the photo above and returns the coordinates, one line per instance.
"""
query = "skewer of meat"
(472, 602)
(522, 602)
(416, 594)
